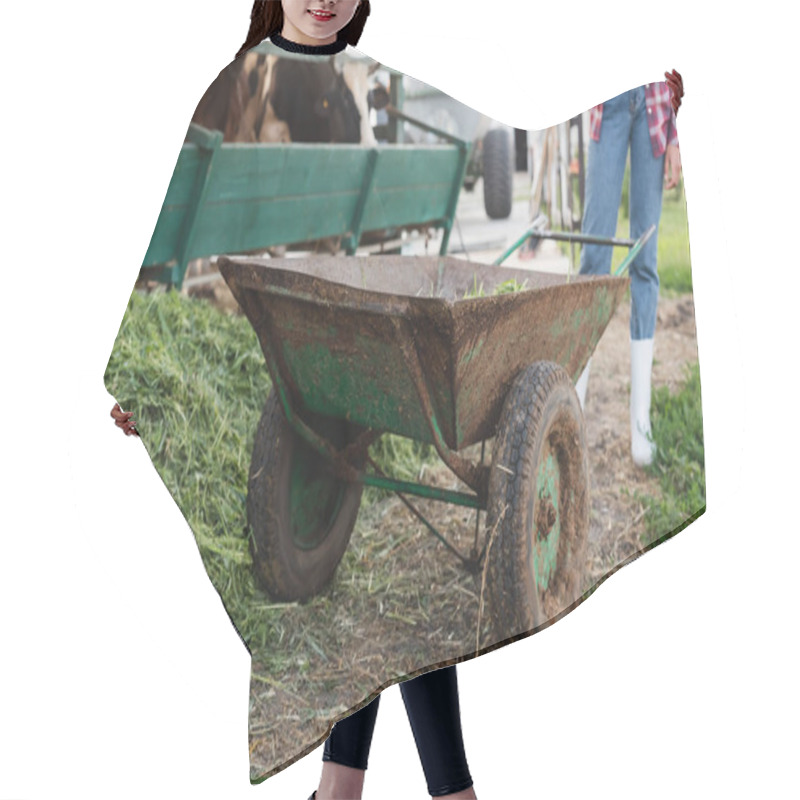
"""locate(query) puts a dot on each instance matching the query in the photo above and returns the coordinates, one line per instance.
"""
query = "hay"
(196, 381)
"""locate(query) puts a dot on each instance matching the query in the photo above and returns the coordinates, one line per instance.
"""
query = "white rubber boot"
(583, 382)
(642, 449)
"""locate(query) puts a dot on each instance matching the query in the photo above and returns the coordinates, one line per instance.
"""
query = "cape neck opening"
(308, 49)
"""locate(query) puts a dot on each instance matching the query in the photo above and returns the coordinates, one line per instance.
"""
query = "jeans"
(624, 124)
(432, 706)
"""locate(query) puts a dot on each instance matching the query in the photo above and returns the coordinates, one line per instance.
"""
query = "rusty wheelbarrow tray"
(360, 346)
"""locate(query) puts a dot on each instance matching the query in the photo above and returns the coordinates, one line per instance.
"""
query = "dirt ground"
(616, 518)
(370, 630)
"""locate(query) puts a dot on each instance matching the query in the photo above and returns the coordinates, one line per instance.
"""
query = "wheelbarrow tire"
(300, 514)
(539, 502)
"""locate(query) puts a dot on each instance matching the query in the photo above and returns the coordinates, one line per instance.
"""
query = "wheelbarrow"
(360, 346)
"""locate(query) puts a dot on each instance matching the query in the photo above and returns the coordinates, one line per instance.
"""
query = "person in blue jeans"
(641, 120)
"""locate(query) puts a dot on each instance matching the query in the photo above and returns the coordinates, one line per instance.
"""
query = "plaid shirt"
(661, 118)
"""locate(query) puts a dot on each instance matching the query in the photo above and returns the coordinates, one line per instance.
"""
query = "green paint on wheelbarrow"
(547, 523)
(421, 490)
(314, 498)
(579, 327)
(469, 354)
(364, 382)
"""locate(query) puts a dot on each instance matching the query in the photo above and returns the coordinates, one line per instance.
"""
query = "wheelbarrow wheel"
(300, 514)
(539, 501)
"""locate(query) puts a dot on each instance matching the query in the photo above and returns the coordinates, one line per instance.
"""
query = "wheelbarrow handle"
(640, 243)
(535, 231)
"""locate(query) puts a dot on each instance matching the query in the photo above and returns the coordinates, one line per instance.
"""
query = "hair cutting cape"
(372, 430)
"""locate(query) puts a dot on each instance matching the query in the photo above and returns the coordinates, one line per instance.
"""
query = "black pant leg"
(351, 738)
(433, 711)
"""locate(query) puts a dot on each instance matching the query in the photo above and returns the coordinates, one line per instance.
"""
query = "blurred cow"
(266, 98)
(269, 99)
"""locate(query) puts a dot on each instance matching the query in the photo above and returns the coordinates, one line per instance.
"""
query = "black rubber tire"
(541, 427)
(498, 173)
(289, 572)
(520, 150)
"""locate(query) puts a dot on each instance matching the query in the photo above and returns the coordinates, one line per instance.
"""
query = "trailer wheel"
(498, 173)
(300, 514)
(540, 477)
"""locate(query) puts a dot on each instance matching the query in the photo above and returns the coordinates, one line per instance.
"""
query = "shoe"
(583, 382)
(642, 447)
(313, 795)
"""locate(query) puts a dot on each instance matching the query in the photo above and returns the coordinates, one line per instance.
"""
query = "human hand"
(672, 166)
(122, 419)
(675, 83)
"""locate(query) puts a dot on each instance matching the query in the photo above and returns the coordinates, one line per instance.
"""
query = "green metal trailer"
(227, 197)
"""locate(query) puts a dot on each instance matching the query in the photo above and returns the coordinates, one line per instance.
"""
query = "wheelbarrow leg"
(474, 475)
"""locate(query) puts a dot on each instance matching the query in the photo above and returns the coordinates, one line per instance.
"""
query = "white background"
(120, 674)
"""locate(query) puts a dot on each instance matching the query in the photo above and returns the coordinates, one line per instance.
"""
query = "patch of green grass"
(196, 381)
(679, 463)
(674, 265)
(509, 286)
(504, 287)
(475, 291)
